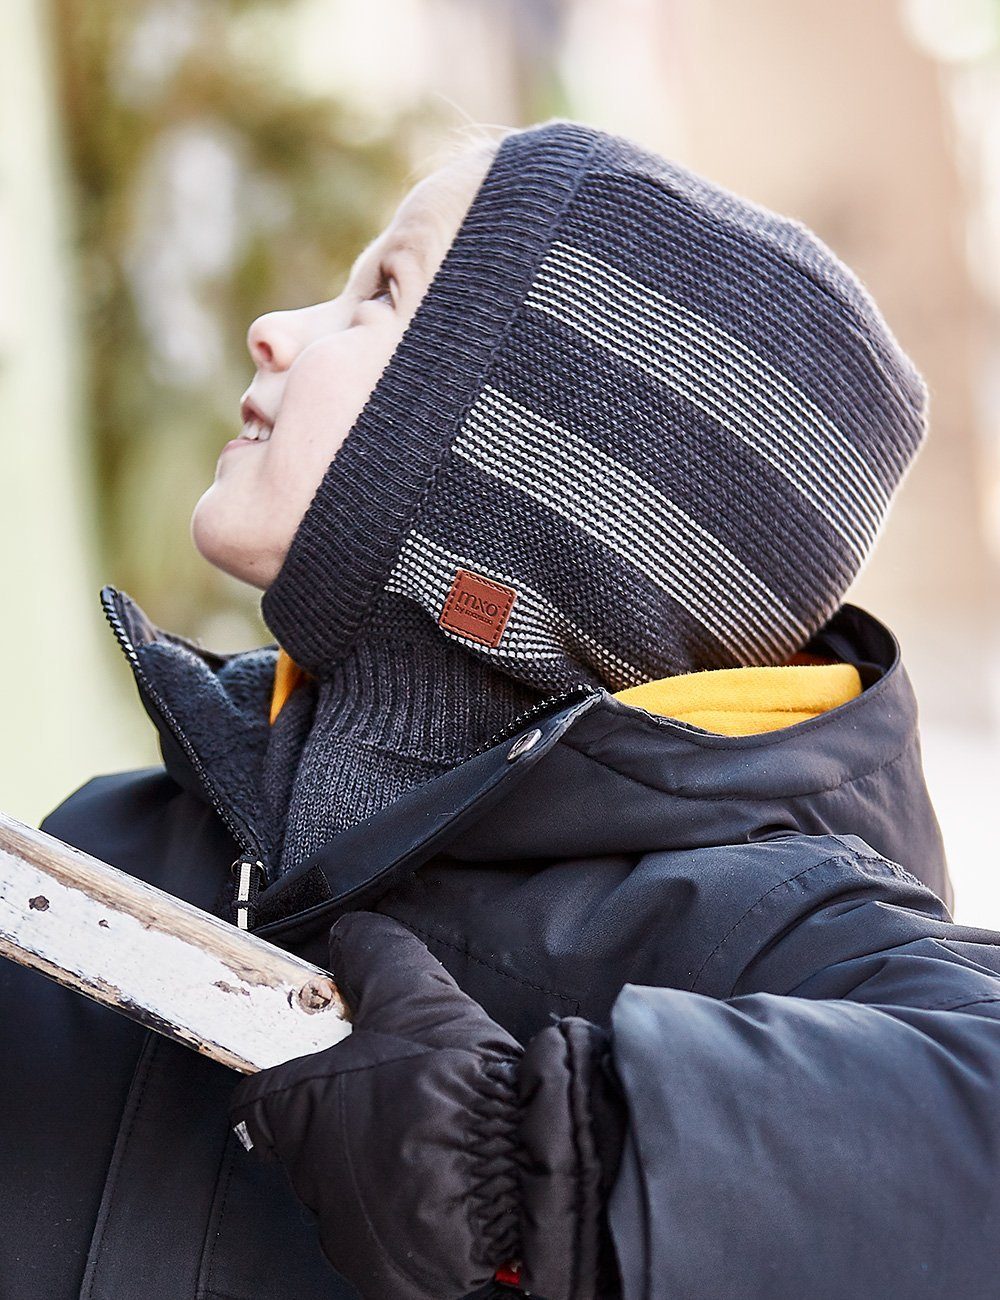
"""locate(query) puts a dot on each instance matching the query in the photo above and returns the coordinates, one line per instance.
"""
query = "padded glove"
(432, 1149)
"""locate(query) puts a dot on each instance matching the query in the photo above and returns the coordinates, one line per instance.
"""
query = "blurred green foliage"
(207, 187)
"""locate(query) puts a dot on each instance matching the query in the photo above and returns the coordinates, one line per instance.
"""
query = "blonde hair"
(463, 159)
(471, 142)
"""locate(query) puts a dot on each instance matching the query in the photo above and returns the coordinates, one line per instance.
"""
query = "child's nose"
(272, 341)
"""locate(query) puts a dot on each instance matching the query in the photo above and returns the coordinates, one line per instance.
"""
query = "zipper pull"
(249, 878)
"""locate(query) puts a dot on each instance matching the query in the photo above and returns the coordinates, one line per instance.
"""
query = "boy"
(595, 426)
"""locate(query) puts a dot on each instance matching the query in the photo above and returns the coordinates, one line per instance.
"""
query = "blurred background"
(169, 169)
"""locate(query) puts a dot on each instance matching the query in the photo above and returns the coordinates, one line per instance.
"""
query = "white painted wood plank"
(187, 974)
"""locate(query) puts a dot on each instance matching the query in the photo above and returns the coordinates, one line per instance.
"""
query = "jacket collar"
(210, 711)
(592, 776)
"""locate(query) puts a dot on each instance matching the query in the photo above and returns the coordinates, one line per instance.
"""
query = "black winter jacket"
(810, 1050)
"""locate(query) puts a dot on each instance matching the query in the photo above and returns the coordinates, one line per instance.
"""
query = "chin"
(220, 536)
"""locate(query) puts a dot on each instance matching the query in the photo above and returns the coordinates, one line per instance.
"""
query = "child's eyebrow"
(406, 245)
(415, 237)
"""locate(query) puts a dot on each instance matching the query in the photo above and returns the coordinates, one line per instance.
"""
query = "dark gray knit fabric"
(670, 420)
(402, 706)
(281, 764)
(660, 426)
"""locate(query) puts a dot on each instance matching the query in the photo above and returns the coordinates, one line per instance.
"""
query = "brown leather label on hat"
(477, 608)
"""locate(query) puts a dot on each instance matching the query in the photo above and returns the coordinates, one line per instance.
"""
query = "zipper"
(249, 877)
(543, 706)
(249, 851)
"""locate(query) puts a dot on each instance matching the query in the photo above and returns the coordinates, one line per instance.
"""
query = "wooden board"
(183, 972)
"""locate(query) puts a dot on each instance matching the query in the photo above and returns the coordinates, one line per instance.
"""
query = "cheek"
(325, 392)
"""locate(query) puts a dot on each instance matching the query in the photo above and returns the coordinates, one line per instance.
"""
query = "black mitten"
(431, 1148)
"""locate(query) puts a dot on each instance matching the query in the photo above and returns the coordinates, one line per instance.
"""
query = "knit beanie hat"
(637, 426)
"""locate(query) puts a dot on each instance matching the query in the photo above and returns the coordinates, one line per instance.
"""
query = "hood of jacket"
(591, 774)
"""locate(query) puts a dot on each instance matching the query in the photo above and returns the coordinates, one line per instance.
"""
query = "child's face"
(316, 367)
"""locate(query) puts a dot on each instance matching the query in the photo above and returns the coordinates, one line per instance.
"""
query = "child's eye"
(383, 288)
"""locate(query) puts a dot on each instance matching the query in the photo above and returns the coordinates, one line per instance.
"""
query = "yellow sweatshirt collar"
(287, 675)
(747, 701)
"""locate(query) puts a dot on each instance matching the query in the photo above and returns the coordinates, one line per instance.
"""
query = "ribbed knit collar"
(405, 704)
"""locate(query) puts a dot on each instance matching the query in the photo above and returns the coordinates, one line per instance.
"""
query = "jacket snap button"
(523, 743)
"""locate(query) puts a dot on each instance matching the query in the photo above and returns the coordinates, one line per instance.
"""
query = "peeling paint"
(183, 972)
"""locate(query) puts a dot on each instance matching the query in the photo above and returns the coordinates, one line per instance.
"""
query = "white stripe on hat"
(632, 518)
(721, 376)
(535, 630)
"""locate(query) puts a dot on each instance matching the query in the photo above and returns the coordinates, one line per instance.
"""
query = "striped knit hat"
(637, 426)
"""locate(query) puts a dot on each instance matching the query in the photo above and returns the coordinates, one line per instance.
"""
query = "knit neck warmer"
(402, 706)
(637, 426)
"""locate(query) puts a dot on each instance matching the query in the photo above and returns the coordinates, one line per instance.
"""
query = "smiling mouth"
(255, 430)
